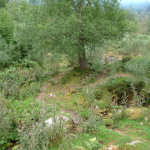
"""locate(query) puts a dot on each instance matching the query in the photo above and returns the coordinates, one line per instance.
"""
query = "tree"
(75, 25)
(6, 25)
(148, 24)
(3, 3)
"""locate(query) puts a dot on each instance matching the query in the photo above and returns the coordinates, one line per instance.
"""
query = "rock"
(146, 119)
(56, 120)
(52, 95)
(112, 147)
(133, 142)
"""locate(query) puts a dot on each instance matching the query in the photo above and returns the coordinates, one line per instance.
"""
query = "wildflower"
(92, 140)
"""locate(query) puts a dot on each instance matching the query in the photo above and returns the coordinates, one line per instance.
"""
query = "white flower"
(92, 140)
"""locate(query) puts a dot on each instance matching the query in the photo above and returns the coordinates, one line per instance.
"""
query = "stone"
(52, 95)
(56, 120)
(112, 147)
(134, 142)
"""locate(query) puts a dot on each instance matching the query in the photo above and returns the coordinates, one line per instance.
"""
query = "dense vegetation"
(83, 64)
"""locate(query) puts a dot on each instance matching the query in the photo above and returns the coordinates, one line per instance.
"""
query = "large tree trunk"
(81, 52)
(82, 61)
(81, 39)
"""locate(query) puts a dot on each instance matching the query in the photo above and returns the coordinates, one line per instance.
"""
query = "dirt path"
(74, 116)
(42, 92)
(48, 85)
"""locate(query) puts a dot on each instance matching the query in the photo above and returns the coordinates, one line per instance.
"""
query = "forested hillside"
(74, 75)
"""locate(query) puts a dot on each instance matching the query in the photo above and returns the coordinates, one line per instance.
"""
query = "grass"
(71, 96)
(101, 124)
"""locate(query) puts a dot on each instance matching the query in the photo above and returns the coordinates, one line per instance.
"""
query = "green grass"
(79, 93)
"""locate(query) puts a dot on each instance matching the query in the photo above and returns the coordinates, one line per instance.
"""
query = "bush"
(126, 58)
(139, 65)
(5, 53)
(26, 125)
(97, 66)
(20, 83)
(120, 89)
(145, 96)
(36, 135)
(6, 25)
(135, 45)
(8, 130)
(115, 67)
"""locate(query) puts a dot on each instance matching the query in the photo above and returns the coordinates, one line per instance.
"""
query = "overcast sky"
(123, 1)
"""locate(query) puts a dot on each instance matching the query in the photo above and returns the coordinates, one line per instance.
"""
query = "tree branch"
(80, 4)
(88, 3)
(73, 4)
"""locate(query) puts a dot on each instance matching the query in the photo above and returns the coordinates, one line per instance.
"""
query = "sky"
(123, 1)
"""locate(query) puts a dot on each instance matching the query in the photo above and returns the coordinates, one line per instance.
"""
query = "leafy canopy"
(74, 25)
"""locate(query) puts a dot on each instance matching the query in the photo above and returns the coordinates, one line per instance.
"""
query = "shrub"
(20, 83)
(26, 117)
(8, 130)
(115, 67)
(139, 65)
(5, 53)
(137, 44)
(37, 135)
(120, 89)
(126, 58)
(97, 66)
(145, 96)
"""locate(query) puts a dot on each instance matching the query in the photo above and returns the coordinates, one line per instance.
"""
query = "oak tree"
(73, 26)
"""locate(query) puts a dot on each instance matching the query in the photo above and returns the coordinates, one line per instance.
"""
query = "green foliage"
(120, 88)
(97, 66)
(126, 58)
(37, 135)
(139, 65)
(19, 84)
(133, 23)
(5, 53)
(92, 144)
(134, 45)
(7, 125)
(6, 25)
(37, 41)
(26, 110)
(123, 140)
(3, 3)
(103, 20)
(25, 123)
(71, 75)
(114, 67)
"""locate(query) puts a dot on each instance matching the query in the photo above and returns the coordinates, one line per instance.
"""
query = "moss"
(134, 113)
(107, 122)
(68, 95)
(71, 75)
